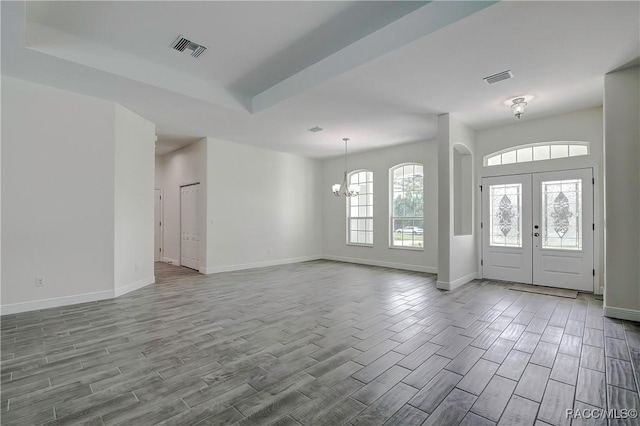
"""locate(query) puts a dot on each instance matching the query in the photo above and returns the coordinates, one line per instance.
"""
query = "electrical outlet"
(39, 281)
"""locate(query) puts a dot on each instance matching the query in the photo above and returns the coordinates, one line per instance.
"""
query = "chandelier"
(344, 188)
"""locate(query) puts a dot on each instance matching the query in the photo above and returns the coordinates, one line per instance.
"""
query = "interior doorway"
(189, 229)
(538, 229)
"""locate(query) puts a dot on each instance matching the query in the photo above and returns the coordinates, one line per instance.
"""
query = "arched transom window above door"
(537, 152)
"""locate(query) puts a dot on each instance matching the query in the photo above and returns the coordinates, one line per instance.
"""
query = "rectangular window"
(509, 157)
(541, 153)
(360, 209)
(525, 155)
(407, 205)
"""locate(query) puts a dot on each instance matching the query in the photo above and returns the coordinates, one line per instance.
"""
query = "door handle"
(537, 234)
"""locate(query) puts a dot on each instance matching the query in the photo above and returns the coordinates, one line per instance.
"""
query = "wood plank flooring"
(317, 343)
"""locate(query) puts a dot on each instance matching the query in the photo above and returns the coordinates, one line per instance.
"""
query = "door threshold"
(549, 291)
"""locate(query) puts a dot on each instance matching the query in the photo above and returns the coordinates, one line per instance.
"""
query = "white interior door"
(563, 229)
(189, 232)
(538, 229)
(506, 225)
(158, 226)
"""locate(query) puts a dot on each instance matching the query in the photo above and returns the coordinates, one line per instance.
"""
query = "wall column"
(622, 194)
(456, 253)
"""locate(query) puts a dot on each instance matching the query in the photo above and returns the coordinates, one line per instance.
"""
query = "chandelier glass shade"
(344, 188)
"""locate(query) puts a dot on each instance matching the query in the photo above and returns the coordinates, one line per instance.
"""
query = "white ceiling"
(377, 72)
(168, 143)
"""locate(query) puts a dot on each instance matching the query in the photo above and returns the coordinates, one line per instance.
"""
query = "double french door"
(538, 229)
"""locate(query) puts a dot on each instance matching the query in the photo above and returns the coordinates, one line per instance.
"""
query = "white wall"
(134, 201)
(159, 171)
(77, 182)
(264, 207)
(456, 253)
(175, 169)
(379, 162)
(585, 125)
(0, 200)
(622, 180)
(58, 191)
(463, 188)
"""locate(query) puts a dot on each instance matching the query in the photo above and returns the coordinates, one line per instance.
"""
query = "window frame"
(349, 206)
(490, 158)
(392, 217)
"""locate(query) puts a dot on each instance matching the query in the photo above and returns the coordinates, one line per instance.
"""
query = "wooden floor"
(317, 343)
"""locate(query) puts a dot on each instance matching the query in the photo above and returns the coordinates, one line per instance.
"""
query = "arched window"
(537, 152)
(360, 209)
(407, 205)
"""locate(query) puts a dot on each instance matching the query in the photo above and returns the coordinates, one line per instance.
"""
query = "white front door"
(189, 232)
(563, 229)
(538, 229)
(506, 225)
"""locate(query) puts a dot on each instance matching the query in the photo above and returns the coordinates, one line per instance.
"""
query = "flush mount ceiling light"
(344, 188)
(518, 107)
(518, 104)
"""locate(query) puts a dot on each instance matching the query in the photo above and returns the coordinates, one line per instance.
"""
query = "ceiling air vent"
(315, 129)
(181, 44)
(504, 75)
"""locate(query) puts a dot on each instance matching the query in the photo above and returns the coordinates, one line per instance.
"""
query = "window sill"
(407, 248)
(360, 245)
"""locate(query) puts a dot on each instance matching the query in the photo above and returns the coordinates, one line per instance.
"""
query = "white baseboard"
(55, 302)
(443, 285)
(601, 288)
(403, 266)
(253, 265)
(622, 313)
(119, 291)
(170, 260)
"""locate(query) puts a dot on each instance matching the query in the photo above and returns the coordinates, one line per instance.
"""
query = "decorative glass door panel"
(505, 222)
(562, 214)
(506, 228)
